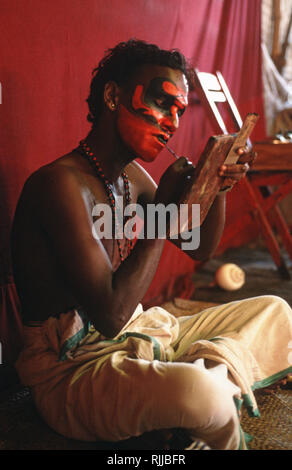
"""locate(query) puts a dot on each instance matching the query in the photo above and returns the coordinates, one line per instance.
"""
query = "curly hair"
(120, 63)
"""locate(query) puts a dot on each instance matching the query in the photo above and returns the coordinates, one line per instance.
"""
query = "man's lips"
(163, 138)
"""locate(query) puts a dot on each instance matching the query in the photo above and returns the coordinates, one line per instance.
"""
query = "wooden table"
(273, 156)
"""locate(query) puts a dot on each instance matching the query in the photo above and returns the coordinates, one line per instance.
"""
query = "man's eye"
(166, 104)
(161, 102)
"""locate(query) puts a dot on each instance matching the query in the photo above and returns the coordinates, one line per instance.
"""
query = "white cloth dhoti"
(151, 375)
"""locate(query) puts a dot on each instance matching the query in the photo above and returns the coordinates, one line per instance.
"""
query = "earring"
(113, 106)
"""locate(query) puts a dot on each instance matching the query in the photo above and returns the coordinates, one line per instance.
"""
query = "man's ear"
(111, 95)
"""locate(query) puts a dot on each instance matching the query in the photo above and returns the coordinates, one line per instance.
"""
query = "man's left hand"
(231, 174)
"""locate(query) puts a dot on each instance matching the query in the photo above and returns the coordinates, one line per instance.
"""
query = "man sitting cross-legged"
(99, 367)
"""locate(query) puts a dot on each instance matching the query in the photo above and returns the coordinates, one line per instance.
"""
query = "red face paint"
(139, 106)
(139, 136)
(180, 101)
(152, 117)
(175, 91)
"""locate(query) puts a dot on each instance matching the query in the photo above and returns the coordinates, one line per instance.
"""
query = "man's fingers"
(242, 150)
(232, 173)
(246, 155)
(233, 170)
(183, 162)
(245, 159)
(184, 166)
(229, 182)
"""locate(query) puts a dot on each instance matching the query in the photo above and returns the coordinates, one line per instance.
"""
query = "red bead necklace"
(86, 152)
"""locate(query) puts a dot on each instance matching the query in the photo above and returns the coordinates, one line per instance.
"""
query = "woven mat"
(273, 430)
(21, 428)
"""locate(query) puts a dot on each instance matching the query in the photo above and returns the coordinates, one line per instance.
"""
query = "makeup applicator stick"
(172, 152)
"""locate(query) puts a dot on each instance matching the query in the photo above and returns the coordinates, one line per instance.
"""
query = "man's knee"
(204, 396)
(273, 300)
(276, 304)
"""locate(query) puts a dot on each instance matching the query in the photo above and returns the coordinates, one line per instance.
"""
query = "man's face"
(149, 113)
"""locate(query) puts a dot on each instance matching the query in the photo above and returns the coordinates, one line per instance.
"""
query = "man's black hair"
(120, 63)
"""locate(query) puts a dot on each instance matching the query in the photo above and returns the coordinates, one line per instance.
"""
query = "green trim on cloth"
(75, 339)
(256, 386)
(238, 403)
(71, 342)
(128, 334)
(248, 403)
(245, 438)
(272, 379)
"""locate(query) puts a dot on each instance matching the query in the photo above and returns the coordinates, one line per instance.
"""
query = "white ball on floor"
(230, 276)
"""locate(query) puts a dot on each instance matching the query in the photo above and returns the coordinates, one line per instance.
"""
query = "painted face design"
(152, 116)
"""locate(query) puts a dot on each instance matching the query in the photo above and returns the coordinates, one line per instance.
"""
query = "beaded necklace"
(86, 152)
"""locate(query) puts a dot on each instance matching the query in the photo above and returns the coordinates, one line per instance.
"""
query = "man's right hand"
(174, 182)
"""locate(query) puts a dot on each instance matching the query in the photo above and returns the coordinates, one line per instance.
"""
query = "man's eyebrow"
(181, 104)
(172, 90)
(169, 87)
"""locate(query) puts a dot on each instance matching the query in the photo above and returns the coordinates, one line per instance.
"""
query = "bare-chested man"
(86, 355)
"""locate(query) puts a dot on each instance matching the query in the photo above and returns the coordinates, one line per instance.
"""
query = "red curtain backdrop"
(48, 50)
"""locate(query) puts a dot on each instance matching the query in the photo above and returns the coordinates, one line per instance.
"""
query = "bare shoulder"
(144, 183)
(58, 198)
(49, 177)
(56, 181)
(58, 170)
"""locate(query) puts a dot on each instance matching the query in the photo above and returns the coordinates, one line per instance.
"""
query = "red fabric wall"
(48, 50)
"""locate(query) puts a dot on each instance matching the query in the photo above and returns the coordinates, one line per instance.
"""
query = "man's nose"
(171, 121)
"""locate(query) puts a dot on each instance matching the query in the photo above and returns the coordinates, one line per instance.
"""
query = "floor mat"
(273, 429)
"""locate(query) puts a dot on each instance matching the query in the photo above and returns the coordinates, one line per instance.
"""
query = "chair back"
(217, 100)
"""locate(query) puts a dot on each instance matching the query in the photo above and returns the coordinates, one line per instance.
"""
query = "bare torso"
(39, 275)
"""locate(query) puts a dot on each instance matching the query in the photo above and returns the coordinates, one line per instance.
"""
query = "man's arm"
(212, 228)
(108, 298)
